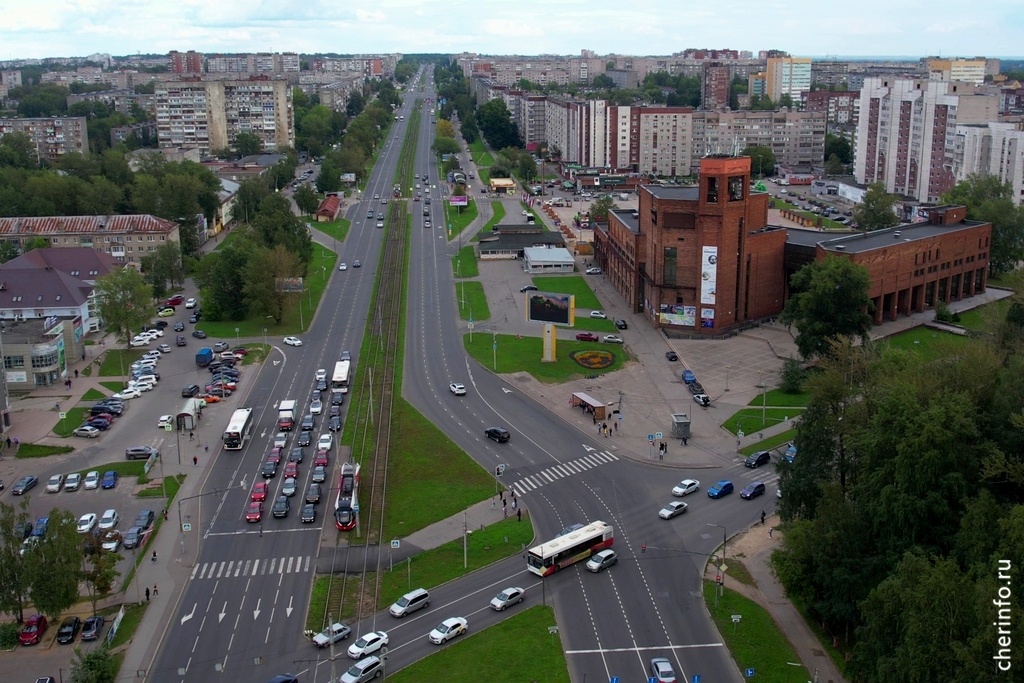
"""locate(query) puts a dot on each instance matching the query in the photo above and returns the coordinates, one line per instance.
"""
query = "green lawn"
(464, 263)
(32, 450)
(778, 397)
(928, 343)
(577, 285)
(749, 419)
(297, 318)
(524, 355)
(755, 642)
(472, 300)
(117, 361)
(521, 648)
(459, 217)
(75, 417)
(485, 176)
(337, 229)
(984, 317)
(96, 394)
(479, 154)
(770, 443)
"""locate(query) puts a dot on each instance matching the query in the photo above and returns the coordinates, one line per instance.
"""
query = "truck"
(331, 634)
(286, 415)
(204, 356)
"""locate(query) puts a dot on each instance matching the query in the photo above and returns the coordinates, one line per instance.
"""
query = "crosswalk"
(741, 475)
(233, 569)
(560, 471)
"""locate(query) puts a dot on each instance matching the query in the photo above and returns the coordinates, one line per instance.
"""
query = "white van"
(410, 602)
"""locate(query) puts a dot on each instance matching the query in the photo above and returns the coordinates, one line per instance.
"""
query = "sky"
(819, 28)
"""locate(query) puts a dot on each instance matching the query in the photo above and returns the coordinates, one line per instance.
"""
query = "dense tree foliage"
(13, 579)
(762, 160)
(987, 199)
(496, 124)
(876, 210)
(125, 302)
(840, 146)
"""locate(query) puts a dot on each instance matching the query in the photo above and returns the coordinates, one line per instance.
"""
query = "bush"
(9, 635)
(944, 315)
(792, 376)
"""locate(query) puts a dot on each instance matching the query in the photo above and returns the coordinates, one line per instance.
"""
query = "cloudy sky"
(912, 28)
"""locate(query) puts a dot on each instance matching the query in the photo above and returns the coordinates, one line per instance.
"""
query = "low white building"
(548, 260)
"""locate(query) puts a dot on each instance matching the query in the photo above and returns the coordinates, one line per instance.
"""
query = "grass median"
(472, 301)
(508, 354)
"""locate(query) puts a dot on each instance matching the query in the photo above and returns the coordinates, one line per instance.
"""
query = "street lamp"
(727, 368)
(264, 336)
(237, 343)
(764, 397)
(721, 564)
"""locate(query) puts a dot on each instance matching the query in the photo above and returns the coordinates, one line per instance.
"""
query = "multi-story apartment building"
(797, 138)
(126, 238)
(120, 101)
(787, 76)
(965, 70)
(906, 132)
(190, 62)
(53, 137)
(995, 149)
(209, 115)
(274, 63)
(11, 78)
(120, 80)
(839, 106)
(715, 85)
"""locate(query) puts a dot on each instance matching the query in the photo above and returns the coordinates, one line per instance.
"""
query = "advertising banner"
(708, 275)
(458, 200)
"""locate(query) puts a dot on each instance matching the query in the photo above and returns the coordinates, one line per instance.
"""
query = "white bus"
(340, 378)
(238, 429)
(569, 548)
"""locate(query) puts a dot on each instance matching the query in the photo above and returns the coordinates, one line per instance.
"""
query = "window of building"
(712, 196)
(14, 362)
(44, 360)
(669, 269)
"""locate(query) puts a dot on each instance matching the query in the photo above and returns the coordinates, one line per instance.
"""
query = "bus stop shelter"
(190, 414)
(589, 405)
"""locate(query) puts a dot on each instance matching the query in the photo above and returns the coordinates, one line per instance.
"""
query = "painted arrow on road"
(288, 609)
(256, 612)
(189, 615)
(223, 612)
(507, 391)
(276, 363)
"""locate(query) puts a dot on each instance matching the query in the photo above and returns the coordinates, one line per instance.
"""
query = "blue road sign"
(652, 679)
(650, 437)
(696, 678)
(613, 679)
(749, 673)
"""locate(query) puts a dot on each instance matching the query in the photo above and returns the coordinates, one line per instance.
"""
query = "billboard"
(708, 275)
(678, 315)
(544, 307)
(458, 200)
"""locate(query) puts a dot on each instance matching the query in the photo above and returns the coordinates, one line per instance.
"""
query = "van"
(410, 602)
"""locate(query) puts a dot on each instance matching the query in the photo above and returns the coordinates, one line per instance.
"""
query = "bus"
(569, 548)
(238, 429)
(341, 372)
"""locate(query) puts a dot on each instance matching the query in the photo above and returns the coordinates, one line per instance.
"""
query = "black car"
(313, 493)
(106, 408)
(528, 288)
(133, 538)
(161, 324)
(97, 423)
(180, 340)
(191, 391)
(194, 318)
(316, 395)
(297, 454)
(145, 520)
(305, 437)
(308, 514)
(621, 324)
(306, 424)
(269, 470)
(696, 388)
(498, 434)
(334, 411)
(757, 459)
(92, 627)
(334, 424)
(219, 391)
(282, 506)
(671, 355)
(221, 346)
(68, 629)
(337, 398)
(179, 326)
(198, 334)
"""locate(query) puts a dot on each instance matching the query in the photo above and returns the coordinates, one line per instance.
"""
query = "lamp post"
(727, 368)
(264, 336)
(721, 564)
(764, 397)
(237, 343)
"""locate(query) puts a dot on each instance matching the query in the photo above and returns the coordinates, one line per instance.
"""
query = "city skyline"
(56, 28)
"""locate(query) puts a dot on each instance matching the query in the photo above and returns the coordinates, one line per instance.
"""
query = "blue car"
(109, 479)
(720, 489)
(41, 525)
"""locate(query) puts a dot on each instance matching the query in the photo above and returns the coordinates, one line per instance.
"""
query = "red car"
(274, 455)
(259, 492)
(586, 336)
(33, 630)
(321, 458)
(291, 469)
(254, 512)
(240, 351)
(175, 300)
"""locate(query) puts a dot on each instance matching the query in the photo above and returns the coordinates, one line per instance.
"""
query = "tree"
(54, 565)
(762, 159)
(833, 166)
(99, 569)
(355, 104)
(266, 268)
(526, 168)
(98, 665)
(599, 209)
(218, 279)
(875, 212)
(8, 250)
(445, 146)
(17, 150)
(496, 124)
(830, 298)
(162, 267)
(603, 81)
(444, 129)
(989, 200)
(840, 146)
(13, 578)
(306, 199)
(247, 144)
(125, 302)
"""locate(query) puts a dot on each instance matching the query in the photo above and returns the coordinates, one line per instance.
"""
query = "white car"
(165, 421)
(86, 523)
(126, 394)
(343, 266)
(593, 271)
(141, 385)
(153, 355)
(155, 332)
(321, 374)
(448, 629)
(316, 406)
(367, 644)
(73, 482)
(293, 341)
(686, 487)
(612, 339)
(92, 481)
(191, 303)
(87, 431)
(112, 540)
(457, 389)
(325, 443)
(600, 315)
(676, 507)
(506, 598)
(140, 341)
(109, 519)
(164, 348)
(55, 484)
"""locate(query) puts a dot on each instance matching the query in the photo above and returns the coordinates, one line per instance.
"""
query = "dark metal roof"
(688, 193)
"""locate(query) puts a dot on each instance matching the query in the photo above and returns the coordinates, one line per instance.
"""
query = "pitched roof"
(329, 206)
(37, 288)
(30, 226)
(84, 263)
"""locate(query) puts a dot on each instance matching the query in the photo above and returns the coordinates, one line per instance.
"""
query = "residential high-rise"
(907, 129)
(53, 137)
(208, 115)
(787, 76)
(715, 82)
(995, 149)
(966, 70)
(190, 62)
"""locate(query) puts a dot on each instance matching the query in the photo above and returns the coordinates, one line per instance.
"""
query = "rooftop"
(48, 225)
(690, 193)
(626, 218)
(878, 239)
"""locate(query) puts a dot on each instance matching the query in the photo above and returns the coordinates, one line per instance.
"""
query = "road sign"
(749, 673)
(186, 526)
(695, 679)
(471, 324)
(736, 618)
(168, 428)
(62, 415)
(658, 435)
(355, 508)
(650, 437)
(396, 544)
(499, 470)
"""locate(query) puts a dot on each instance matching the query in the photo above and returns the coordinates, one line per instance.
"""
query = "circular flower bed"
(593, 359)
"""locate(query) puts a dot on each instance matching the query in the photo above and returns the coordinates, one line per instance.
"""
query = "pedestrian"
(762, 517)
(770, 530)
(616, 425)
(604, 427)
(494, 503)
(191, 436)
(503, 503)
(207, 446)
(513, 503)
(513, 493)
(76, 374)
(261, 528)
(154, 556)
(195, 460)
(147, 594)
(519, 515)
(165, 514)
(685, 439)
(156, 591)
(8, 442)
(661, 455)
(501, 494)
(595, 418)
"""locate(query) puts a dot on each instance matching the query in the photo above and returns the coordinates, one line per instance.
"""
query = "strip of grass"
(984, 317)
(929, 344)
(479, 153)
(75, 417)
(498, 216)
(587, 324)
(257, 353)
(171, 484)
(33, 450)
(755, 642)
(771, 442)
(778, 397)
(113, 386)
(524, 354)
(572, 284)
(87, 371)
(133, 614)
(298, 314)
(750, 419)
(96, 394)
(464, 263)
(485, 176)
(117, 361)
(459, 218)
(336, 229)
(472, 301)
(521, 649)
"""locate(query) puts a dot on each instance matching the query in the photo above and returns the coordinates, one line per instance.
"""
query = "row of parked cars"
(35, 627)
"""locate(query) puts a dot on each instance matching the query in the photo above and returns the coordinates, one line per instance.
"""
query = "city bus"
(341, 372)
(238, 429)
(569, 548)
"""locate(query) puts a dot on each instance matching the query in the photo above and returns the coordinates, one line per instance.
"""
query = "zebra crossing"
(561, 470)
(233, 569)
(743, 475)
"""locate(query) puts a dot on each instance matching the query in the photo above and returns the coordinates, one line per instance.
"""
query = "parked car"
(587, 337)
(594, 271)
(612, 339)
(33, 630)
(92, 627)
(24, 485)
(109, 479)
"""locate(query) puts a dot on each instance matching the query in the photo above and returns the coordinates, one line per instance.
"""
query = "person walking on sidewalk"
(195, 460)
(147, 594)
(191, 436)
(207, 447)
(156, 591)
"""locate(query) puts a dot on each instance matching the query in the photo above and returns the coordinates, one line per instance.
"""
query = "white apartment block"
(53, 137)
(787, 76)
(276, 63)
(907, 129)
(208, 115)
(965, 70)
(995, 149)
